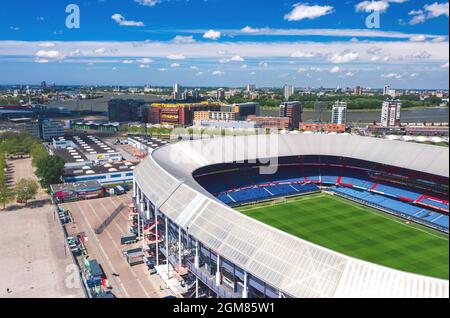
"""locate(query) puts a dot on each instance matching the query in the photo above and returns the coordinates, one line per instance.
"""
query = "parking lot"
(34, 259)
(131, 282)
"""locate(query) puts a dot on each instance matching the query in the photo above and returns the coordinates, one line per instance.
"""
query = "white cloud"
(444, 65)
(14, 28)
(218, 73)
(439, 38)
(248, 29)
(193, 67)
(349, 74)
(176, 57)
(418, 38)
(392, 75)
(48, 54)
(237, 58)
(369, 6)
(144, 66)
(303, 11)
(263, 64)
(47, 44)
(344, 57)
(162, 69)
(127, 61)
(420, 55)
(174, 65)
(302, 70)
(212, 35)
(120, 20)
(335, 69)
(145, 61)
(300, 54)
(244, 66)
(100, 51)
(429, 11)
(183, 39)
(149, 3)
(199, 74)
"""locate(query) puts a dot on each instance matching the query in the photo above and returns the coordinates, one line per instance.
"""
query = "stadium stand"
(409, 211)
(356, 179)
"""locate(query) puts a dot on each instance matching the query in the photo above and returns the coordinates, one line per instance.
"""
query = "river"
(437, 115)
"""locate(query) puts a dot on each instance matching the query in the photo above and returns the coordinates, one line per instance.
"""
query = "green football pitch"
(358, 231)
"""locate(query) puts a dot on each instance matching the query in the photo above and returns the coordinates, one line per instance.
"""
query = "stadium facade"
(236, 256)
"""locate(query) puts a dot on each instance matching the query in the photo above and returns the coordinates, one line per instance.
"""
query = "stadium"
(342, 216)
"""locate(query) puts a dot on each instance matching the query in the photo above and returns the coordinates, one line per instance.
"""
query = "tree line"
(49, 168)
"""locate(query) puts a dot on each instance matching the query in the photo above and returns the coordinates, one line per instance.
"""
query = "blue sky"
(226, 43)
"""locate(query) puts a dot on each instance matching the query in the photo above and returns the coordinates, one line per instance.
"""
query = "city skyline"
(138, 42)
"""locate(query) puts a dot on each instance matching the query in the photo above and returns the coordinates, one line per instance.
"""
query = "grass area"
(360, 232)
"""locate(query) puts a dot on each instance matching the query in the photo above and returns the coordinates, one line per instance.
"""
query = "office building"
(386, 90)
(209, 115)
(127, 110)
(293, 111)
(51, 129)
(245, 109)
(391, 113)
(339, 113)
(179, 114)
(289, 90)
(45, 129)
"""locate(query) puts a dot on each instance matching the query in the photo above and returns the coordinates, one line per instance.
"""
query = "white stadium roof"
(295, 266)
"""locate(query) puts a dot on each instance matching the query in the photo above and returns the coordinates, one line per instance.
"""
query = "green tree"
(26, 189)
(6, 194)
(50, 170)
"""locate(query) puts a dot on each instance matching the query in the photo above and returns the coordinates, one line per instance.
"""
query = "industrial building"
(228, 124)
(108, 173)
(280, 123)
(84, 150)
(103, 126)
(322, 127)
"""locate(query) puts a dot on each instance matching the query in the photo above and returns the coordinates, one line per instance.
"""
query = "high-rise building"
(127, 110)
(339, 113)
(43, 84)
(293, 111)
(386, 90)
(177, 92)
(358, 91)
(391, 113)
(250, 88)
(289, 90)
(220, 94)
